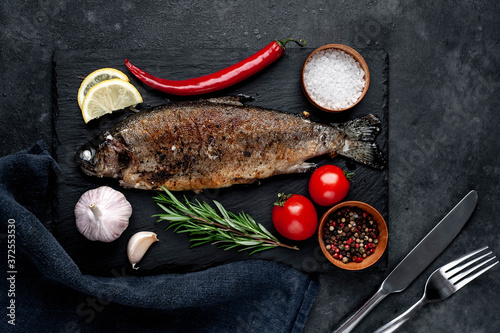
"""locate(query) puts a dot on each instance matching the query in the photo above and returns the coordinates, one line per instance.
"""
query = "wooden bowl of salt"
(335, 77)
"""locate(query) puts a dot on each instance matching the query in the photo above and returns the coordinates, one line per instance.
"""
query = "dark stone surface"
(268, 88)
(444, 77)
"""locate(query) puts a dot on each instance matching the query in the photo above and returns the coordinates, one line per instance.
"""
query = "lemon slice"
(108, 96)
(98, 76)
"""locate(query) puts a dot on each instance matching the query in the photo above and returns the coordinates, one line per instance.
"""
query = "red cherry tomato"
(328, 185)
(295, 217)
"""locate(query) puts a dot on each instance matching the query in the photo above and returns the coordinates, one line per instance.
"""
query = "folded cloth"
(247, 296)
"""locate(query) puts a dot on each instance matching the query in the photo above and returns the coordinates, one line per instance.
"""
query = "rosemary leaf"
(262, 248)
(266, 232)
(247, 242)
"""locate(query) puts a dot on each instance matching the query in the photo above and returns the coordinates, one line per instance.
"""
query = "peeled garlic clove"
(102, 214)
(138, 245)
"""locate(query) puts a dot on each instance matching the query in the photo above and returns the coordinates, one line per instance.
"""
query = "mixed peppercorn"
(350, 234)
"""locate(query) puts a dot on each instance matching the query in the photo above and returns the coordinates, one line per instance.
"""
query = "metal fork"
(445, 281)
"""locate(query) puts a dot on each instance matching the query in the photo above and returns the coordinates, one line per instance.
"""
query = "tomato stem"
(348, 175)
(282, 198)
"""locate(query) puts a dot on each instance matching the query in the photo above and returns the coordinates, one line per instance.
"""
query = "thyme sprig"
(205, 224)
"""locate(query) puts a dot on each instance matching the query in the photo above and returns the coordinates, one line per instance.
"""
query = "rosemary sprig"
(207, 225)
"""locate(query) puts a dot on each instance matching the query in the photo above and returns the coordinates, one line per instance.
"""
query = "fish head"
(104, 156)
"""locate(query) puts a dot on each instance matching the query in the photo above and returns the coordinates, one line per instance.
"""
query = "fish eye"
(86, 155)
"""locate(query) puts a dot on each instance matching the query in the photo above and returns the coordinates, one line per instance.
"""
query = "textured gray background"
(444, 79)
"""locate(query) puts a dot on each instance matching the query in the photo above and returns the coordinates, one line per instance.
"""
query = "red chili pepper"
(218, 80)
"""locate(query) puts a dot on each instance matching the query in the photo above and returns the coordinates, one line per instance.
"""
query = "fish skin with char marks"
(217, 143)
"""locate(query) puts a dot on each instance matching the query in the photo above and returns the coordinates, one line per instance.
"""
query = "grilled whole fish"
(220, 142)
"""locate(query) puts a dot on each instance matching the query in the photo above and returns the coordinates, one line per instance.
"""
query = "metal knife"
(419, 258)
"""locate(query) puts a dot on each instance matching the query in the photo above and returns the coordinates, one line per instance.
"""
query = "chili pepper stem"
(301, 42)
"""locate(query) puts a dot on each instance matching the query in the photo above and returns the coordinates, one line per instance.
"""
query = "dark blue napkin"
(249, 296)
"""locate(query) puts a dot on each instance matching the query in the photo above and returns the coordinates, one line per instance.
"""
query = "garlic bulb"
(138, 245)
(102, 214)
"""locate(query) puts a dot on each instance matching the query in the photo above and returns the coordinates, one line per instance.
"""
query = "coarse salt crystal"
(333, 79)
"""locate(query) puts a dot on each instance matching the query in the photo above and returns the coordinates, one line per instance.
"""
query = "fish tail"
(359, 143)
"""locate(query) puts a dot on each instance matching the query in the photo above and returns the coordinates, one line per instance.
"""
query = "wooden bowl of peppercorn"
(352, 235)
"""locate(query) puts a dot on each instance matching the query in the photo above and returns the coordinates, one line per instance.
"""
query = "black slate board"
(276, 87)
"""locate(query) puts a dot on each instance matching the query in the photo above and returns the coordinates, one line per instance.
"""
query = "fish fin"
(363, 129)
(359, 143)
(230, 100)
(301, 167)
(124, 184)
